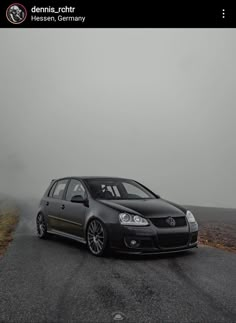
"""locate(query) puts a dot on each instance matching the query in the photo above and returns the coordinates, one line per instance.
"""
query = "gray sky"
(156, 105)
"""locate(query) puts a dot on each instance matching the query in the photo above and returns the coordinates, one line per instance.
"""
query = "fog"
(156, 105)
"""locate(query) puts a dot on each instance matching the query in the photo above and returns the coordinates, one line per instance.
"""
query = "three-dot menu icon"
(223, 13)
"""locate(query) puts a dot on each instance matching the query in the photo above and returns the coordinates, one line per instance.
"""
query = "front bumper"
(152, 240)
(153, 251)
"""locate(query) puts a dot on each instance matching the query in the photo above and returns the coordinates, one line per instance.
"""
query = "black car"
(114, 213)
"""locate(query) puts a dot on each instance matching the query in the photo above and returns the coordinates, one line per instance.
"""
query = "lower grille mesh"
(173, 240)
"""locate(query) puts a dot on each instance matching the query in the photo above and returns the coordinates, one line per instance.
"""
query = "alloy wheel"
(41, 226)
(96, 237)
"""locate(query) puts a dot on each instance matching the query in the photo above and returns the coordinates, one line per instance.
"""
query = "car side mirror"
(79, 199)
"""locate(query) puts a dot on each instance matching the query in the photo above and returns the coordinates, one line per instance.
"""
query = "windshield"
(118, 189)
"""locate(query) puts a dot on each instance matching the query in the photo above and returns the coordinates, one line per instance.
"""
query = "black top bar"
(78, 14)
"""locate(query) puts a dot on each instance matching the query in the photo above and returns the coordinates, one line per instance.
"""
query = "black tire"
(41, 225)
(97, 238)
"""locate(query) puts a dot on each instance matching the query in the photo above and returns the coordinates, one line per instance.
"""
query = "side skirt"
(67, 235)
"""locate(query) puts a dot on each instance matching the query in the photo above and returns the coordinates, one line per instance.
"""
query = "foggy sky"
(156, 105)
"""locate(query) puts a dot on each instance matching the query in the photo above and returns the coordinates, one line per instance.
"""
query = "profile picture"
(16, 13)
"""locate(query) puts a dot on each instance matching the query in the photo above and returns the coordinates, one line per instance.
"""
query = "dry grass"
(221, 236)
(8, 222)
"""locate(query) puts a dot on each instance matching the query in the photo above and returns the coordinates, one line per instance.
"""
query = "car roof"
(92, 177)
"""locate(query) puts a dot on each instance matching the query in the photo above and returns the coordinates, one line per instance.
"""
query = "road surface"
(59, 281)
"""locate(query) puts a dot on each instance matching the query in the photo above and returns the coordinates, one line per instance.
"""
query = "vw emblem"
(170, 221)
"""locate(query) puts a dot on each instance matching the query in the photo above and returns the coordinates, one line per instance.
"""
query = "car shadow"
(141, 257)
(68, 242)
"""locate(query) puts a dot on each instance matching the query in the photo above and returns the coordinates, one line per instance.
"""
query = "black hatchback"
(114, 213)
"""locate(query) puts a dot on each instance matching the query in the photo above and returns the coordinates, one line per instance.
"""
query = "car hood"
(148, 208)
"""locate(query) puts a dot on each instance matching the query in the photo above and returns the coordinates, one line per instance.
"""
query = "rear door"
(54, 205)
(73, 214)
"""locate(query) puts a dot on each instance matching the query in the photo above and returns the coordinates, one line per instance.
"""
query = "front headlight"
(190, 217)
(130, 219)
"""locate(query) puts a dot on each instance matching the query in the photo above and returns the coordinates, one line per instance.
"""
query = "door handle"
(47, 203)
(63, 206)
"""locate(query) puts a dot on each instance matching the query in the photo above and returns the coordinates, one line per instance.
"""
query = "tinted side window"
(59, 189)
(52, 190)
(75, 188)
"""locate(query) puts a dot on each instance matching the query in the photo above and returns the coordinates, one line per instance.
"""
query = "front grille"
(180, 221)
(173, 240)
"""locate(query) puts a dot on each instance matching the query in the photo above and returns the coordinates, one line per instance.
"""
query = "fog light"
(131, 242)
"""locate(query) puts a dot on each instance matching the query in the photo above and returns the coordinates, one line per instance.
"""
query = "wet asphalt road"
(59, 281)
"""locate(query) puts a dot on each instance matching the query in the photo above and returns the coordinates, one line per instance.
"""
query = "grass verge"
(8, 222)
(220, 236)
